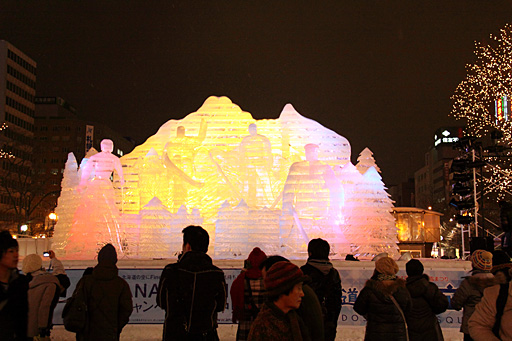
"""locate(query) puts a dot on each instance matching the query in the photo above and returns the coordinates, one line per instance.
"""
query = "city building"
(60, 130)
(432, 181)
(403, 194)
(17, 109)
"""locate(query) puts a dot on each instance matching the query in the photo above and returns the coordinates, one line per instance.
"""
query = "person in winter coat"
(501, 265)
(470, 291)
(248, 293)
(326, 282)
(109, 298)
(192, 291)
(481, 323)
(385, 321)
(13, 292)
(43, 294)
(278, 319)
(427, 301)
(309, 310)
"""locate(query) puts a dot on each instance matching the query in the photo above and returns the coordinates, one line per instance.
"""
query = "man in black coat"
(192, 291)
(326, 282)
(109, 298)
(13, 292)
(427, 301)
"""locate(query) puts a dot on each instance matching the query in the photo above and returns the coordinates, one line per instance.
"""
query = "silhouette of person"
(312, 196)
(256, 167)
(179, 154)
(96, 220)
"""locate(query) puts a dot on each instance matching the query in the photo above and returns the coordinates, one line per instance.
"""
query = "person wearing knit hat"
(31, 263)
(43, 293)
(470, 291)
(248, 293)
(427, 302)
(481, 261)
(326, 282)
(277, 319)
(385, 321)
(109, 294)
(13, 291)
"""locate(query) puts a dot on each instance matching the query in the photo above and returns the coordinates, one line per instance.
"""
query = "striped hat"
(481, 260)
(281, 277)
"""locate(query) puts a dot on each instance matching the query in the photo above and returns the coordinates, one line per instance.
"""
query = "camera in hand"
(46, 253)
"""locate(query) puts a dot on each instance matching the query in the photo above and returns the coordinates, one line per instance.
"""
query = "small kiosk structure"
(418, 230)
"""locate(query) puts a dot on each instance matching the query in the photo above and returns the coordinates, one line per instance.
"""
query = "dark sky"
(380, 73)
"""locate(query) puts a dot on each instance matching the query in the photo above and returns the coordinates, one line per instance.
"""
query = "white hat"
(32, 263)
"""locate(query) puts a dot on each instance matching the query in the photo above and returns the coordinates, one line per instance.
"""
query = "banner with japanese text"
(144, 286)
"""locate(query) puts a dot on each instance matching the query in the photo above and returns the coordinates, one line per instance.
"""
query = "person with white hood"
(43, 293)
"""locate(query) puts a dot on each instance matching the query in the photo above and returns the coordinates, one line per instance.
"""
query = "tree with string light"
(483, 100)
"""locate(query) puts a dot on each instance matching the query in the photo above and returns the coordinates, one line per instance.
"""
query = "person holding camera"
(43, 294)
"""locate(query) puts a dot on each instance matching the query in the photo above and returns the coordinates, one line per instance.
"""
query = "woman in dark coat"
(427, 301)
(384, 319)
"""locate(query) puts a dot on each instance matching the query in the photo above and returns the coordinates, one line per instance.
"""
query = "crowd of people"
(272, 298)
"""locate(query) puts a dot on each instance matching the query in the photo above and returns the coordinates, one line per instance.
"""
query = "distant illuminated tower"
(17, 91)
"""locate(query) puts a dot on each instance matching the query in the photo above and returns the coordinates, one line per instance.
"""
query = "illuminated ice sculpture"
(272, 183)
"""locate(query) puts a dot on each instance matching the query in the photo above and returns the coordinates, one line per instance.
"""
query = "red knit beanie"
(281, 277)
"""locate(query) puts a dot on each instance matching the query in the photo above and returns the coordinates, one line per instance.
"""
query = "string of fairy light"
(487, 80)
(4, 154)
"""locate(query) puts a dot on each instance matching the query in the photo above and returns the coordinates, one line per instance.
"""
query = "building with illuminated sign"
(432, 183)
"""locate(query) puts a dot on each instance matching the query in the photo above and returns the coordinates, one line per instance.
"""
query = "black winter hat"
(107, 254)
(414, 268)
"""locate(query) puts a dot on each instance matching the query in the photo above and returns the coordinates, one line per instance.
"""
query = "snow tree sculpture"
(70, 197)
(372, 212)
(365, 161)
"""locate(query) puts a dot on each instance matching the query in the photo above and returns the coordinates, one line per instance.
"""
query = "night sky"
(380, 73)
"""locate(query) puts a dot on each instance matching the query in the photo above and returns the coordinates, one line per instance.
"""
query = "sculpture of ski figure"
(96, 220)
(179, 154)
(256, 168)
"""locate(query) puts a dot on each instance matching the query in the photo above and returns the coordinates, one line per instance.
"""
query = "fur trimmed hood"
(386, 287)
(482, 280)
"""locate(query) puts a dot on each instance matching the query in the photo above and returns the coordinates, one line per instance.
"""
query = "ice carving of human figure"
(256, 168)
(312, 195)
(96, 220)
(179, 154)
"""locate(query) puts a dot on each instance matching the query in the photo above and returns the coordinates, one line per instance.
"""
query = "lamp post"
(53, 218)
(24, 228)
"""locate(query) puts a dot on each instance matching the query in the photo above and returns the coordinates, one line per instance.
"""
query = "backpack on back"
(75, 314)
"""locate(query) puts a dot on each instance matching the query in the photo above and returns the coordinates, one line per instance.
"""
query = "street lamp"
(24, 228)
(53, 218)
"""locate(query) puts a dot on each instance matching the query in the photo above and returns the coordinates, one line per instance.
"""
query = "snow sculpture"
(239, 230)
(312, 197)
(96, 220)
(70, 196)
(269, 183)
(365, 161)
(368, 225)
(179, 154)
(256, 168)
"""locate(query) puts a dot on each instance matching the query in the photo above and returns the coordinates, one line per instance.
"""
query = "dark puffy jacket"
(109, 300)
(326, 282)
(191, 292)
(14, 308)
(384, 321)
(469, 294)
(427, 301)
